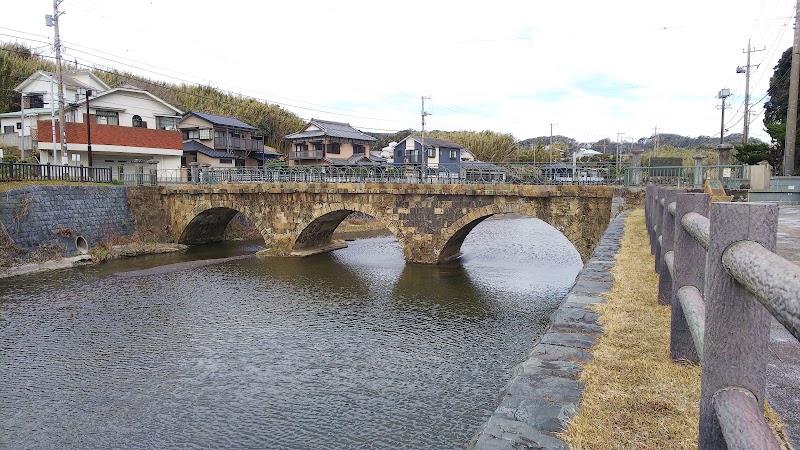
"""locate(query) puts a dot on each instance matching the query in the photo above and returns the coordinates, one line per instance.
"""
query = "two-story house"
(124, 127)
(322, 142)
(221, 138)
(40, 102)
(440, 155)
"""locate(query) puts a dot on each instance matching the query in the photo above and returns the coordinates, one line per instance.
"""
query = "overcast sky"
(594, 68)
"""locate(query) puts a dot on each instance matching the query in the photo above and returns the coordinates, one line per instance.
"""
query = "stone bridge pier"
(429, 221)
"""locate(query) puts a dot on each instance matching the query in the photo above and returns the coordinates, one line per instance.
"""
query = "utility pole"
(618, 154)
(550, 152)
(746, 71)
(791, 116)
(53, 119)
(88, 128)
(22, 130)
(53, 21)
(424, 154)
(655, 138)
(722, 95)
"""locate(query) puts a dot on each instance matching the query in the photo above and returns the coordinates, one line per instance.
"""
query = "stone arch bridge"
(429, 221)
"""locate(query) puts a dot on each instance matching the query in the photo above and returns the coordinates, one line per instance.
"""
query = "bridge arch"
(454, 235)
(208, 220)
(317, 230)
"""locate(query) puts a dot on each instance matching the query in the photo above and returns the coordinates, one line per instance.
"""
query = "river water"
(352, 349)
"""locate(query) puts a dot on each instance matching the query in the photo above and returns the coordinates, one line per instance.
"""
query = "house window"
(225, 160)
(107, 117)
(302, 147)
(318, 147)
(453, 154)
(204, 133)
(191, 134)
(334, 148)
(19, 125)
(137, 121)
(8, 129)
(167, 123)
(431, 152)
(359, 149)
(34, 101)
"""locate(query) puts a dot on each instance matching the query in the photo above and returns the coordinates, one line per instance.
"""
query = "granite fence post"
(667, 245)
(737, 325)
(649, 193)
(659, 226)
(690, 264)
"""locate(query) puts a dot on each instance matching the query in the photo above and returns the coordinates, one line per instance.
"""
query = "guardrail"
(43, 172)
(723, 281)
(483, 173)
(731, 175)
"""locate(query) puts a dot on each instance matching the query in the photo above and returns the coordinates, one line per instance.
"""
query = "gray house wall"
(445, 162)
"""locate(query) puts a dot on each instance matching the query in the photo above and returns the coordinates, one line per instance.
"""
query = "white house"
(40, 91)
(124, 123)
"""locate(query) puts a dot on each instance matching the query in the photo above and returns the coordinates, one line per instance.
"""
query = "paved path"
(783, 371)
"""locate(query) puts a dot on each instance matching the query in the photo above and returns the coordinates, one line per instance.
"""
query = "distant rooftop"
(224, 121)
(332, 129)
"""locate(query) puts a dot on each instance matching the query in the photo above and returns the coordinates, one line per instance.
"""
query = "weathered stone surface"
(579, 319)
(544, 393)
(545, 368)
(429, 221)
(576, 340)
(504, 434)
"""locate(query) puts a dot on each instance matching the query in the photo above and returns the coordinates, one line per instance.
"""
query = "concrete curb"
(545, 393)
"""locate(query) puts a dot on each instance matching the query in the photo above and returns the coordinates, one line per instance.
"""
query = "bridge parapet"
(430, 221)
(396, 189)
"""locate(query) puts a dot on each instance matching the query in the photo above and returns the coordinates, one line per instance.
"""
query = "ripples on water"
(352, 349)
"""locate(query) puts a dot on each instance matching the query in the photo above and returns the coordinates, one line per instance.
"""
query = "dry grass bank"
(635, 396)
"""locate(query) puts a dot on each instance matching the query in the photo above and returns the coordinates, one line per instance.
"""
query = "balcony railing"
(308, 154)
(235, 143)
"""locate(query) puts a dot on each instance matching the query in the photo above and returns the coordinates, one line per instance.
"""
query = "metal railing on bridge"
(475, 173)
(723, 281)
(47, 172)
(732, 176)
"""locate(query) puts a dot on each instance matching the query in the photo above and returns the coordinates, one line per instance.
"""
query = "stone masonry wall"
(38, 217)
(429, 221)
(545, 391)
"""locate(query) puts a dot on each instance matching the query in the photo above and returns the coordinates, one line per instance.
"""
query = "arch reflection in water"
(344, 350)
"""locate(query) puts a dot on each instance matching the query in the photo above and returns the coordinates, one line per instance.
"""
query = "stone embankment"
(48, 227)
(544, 393)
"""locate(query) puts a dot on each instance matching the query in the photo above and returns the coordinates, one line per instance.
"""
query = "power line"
(163, 86)
(285, 104)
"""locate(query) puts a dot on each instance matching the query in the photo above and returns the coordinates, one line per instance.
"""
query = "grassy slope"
(635, 396)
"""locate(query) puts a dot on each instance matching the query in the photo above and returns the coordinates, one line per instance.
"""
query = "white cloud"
(595, 68)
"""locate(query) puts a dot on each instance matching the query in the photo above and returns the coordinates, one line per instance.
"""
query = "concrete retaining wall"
(54, 216)
(545, 392)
